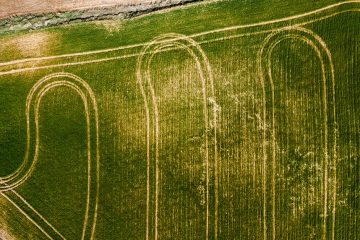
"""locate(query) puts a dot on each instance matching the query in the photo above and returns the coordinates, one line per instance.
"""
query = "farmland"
(219, 120)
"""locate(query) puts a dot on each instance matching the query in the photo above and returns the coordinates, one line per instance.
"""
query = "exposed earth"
(34, 14)
(21, 7)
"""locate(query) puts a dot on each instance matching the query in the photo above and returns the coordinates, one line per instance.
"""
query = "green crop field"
(218, 120)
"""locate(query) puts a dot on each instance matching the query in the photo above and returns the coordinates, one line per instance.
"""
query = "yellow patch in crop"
(34, 44)
(4, 230)
(110, 26)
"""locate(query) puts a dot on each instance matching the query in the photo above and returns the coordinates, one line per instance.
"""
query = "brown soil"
(25, 7)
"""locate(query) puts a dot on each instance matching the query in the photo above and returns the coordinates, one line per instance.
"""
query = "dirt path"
(24, 7)
(34, 14)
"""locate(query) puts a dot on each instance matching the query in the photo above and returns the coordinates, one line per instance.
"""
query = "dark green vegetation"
(291, 173)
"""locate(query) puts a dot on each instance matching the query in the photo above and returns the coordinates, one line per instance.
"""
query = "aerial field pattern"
(185, 124)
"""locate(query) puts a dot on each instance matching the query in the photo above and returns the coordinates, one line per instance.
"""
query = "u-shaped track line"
(9, 184)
